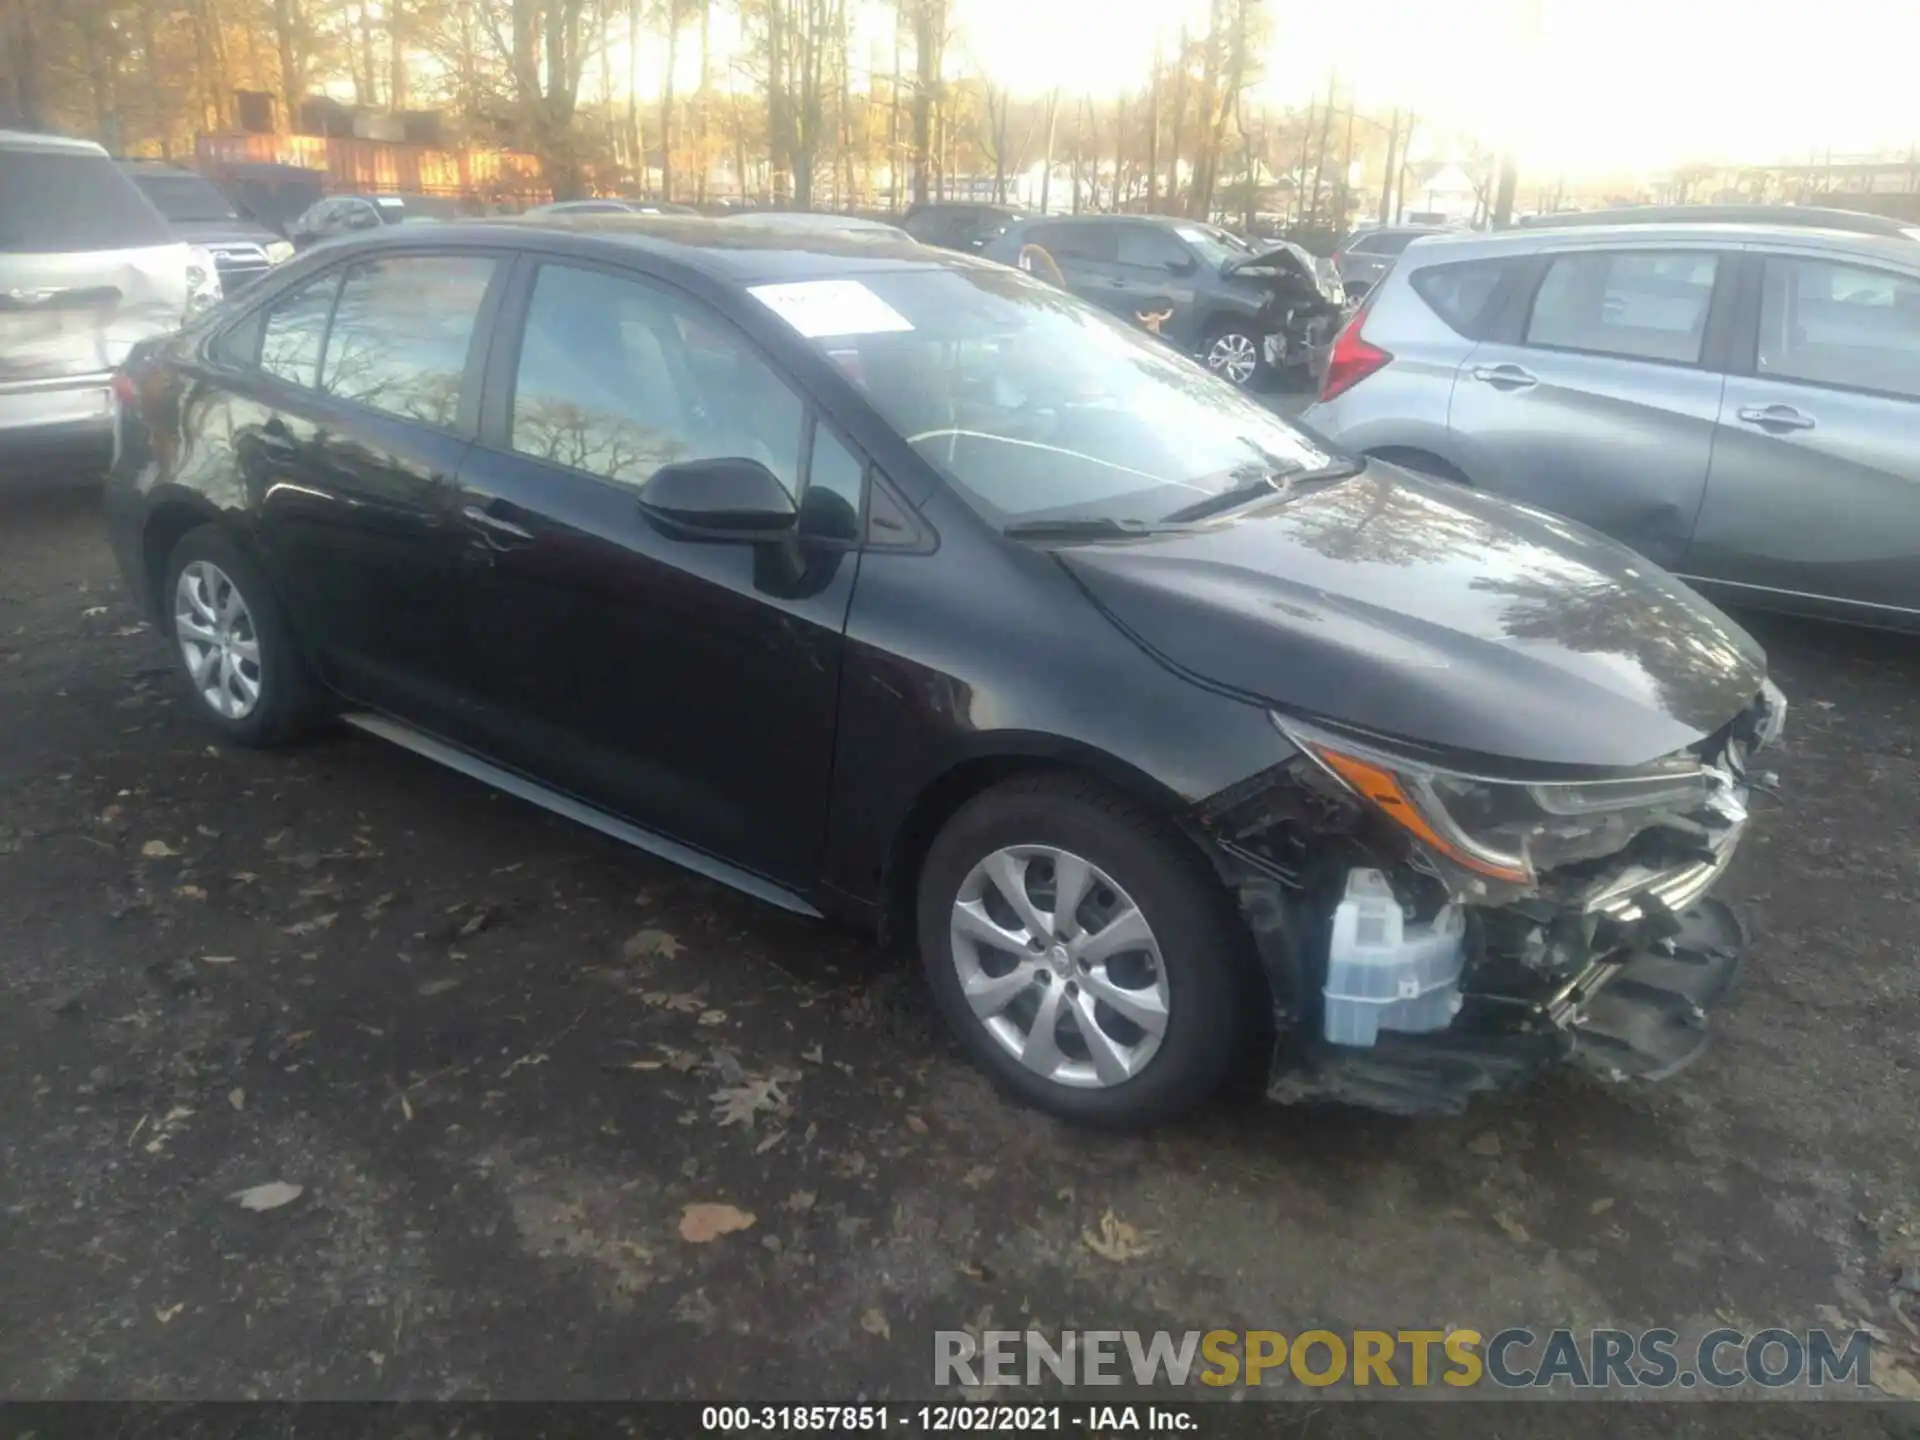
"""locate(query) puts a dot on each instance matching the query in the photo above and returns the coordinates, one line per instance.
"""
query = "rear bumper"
(56, 433)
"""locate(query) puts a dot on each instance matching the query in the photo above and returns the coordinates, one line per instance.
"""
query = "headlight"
(278, 251)
(203, 281)
(1507, 830)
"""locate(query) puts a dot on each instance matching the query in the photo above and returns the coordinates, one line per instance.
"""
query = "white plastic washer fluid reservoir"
(1383, 974)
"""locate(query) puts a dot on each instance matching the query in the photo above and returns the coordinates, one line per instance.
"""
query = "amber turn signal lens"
(1383, 788)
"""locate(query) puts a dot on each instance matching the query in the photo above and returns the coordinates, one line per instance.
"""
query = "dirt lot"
(487, 1047)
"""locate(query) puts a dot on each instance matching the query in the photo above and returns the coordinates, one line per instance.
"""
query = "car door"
(687, 685)
(1814, 489)
(359, 518)
(1086, 254)
(1153, 283)
(1598, 394)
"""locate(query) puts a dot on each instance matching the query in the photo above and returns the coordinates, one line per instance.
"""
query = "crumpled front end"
(1429, 935)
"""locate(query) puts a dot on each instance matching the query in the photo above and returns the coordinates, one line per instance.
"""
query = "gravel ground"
(498, 1055)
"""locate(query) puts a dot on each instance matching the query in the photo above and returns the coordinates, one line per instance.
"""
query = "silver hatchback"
(1740, 403)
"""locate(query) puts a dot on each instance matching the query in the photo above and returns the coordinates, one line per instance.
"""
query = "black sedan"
(890, 584)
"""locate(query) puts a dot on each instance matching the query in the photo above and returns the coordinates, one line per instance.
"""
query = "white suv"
(87, 268)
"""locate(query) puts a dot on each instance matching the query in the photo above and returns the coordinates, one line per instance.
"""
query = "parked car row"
(1738, 402)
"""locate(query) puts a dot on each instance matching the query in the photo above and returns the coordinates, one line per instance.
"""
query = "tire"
(1135, 859)
(1241, 337)
(256, 689)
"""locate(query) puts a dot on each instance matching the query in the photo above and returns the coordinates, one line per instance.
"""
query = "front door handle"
(1505, 377)
(497, 533)
(1776, 418)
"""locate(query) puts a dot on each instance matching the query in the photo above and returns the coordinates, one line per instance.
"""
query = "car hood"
(221, 232)
(1431, 613)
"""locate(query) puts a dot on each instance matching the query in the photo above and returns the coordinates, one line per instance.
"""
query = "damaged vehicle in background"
(1162, 729)
(1247, 312)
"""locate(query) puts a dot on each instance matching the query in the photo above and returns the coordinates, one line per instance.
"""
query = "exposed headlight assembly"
(1507, 833)
(203, 281)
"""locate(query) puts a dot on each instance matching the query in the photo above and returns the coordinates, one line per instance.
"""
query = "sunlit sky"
(1578, 87)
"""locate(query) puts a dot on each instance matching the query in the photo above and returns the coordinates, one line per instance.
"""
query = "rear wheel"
(1084, 955)
(243, 671)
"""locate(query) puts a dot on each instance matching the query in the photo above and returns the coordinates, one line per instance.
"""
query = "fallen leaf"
(816, 1055)
(849, 1165)
(243, 877)
(1600, 1207)
(217, 959)
(772, 1140)
(739, 1104)
(977, 1176)
(649, 944)
(190, 892)
(1896, 1379)
(874, 1322)
(916, 1125)
(680, 1060)
(93, 610)
(704, 1222)
(643, 1065)
(270, 1196)
(406, 1110)
(534, 1059)
(478, 921)
(438, 987)
(318, 922)
(1515, 1231)
(276, 838)
(237, 1098)
(713, 1017)
(379, 904)
(1117, 1241)
(157, 850)
(801, 1201)
(166, 1316)
(1485, 1143)
(664, 1000)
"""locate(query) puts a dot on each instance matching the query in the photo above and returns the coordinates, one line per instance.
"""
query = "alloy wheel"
(218, 640)
(1060, 966)
(1235, 356)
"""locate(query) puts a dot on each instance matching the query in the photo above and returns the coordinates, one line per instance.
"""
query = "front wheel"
(1086, 957)
(1234, 352)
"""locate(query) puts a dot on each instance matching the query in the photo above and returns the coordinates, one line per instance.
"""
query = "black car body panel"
(1415, 610)
(807, 709)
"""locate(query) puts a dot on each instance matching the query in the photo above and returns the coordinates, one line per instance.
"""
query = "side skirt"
(521, 788)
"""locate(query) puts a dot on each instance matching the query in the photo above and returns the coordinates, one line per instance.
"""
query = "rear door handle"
(1778, 418)
(497, 533)
(1505, 377)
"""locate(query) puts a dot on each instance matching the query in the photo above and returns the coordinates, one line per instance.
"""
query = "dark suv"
(1202, 289)
(806, 560)
(200, 212)
(958, 224)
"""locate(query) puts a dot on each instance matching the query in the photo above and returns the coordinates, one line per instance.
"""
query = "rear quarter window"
(1461, 294)
(62, 203)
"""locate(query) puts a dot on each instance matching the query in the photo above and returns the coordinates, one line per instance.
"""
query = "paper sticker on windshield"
(821, 308)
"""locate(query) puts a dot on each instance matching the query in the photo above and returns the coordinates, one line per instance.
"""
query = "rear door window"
(1640, 304)
(1461, 293)
(1097, 243)
(1146, 247)
(55, 203)
(295, 331)
(1841, 325)
(402, 331)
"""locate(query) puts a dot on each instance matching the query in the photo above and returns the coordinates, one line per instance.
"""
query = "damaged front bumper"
(1399, 991)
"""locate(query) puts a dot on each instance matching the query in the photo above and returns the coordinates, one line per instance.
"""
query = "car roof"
(1811, 217)
(734, 254)
(50, 144)
(1569, 237)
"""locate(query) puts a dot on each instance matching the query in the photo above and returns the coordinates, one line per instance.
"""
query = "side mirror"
(730, 498)
(1186, 265)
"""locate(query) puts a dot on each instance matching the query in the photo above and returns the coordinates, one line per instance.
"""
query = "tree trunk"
(1179, 121)
(636, 152)
(1153, 133)
(929, 33)
(1046, 172)
(150, 44)
(778, 154)
(1393, 155)
(1400, 175)
(1320, 159)
(701, 105)
(666, 100)
(1503, 197)
(893, 123)
(396, 56)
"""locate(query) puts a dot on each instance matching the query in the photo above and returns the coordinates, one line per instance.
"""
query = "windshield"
(186, 198)
(1036, 406)
(1214, 244)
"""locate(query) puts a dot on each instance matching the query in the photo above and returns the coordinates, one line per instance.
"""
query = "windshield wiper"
(1085, 527)
(1256, 482)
